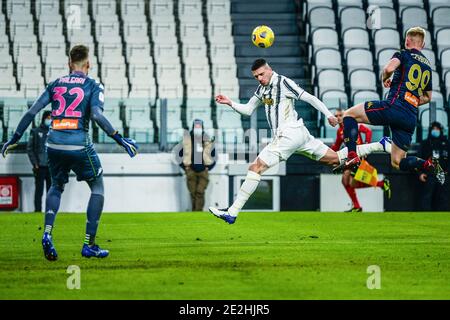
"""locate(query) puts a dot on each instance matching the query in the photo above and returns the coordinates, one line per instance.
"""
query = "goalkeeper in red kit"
(349, 183)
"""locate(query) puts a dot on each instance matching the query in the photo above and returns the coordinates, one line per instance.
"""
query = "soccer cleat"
(49, 250)
(351, 163)
(437, 171)
(223, 214)
(386, 142)
(387, 187)
(93, 251)
(354, 210)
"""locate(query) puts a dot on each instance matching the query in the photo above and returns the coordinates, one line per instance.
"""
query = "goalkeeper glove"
(128, 144)
(11, 144)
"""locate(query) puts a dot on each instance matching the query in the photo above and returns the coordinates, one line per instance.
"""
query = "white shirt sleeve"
(292, 90)
(247, 108)
(316, 103)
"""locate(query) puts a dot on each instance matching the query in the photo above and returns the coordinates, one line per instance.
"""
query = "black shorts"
(399, 118)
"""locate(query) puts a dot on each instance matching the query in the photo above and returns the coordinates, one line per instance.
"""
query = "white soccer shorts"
(296, 139)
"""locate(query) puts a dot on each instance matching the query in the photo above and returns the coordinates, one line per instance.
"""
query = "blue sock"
(350, 133)
(411, 164)
(52, 203)
(94, 211)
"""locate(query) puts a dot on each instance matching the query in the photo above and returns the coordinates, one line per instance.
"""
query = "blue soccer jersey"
(411, 79)
(72, 98)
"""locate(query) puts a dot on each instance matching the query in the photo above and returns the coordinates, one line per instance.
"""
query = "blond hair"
(415, 33)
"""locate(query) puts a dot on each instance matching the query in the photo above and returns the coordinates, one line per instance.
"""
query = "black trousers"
(41, 175)
(434, 196)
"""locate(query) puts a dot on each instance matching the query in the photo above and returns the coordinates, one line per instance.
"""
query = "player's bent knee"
(395, 163)
(97, 186)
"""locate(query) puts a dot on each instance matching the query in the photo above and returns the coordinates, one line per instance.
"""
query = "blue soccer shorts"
(85, 163)
(399, 118)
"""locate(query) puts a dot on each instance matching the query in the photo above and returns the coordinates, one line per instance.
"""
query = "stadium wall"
(148, 183)
(153, 182)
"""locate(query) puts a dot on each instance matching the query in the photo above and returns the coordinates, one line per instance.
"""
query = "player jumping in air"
(349, 183)
(75, 99)
(277, 93)
(410, 87)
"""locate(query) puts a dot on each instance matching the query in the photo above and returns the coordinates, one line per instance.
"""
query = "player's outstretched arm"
(129, 145)
(319, 105)
(245, 109)
(27, 118)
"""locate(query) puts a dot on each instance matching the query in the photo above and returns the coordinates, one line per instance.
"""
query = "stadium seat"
(381, 3)
(326, 58)
(429, 54)
(361, 79)
(412, 17)
(356, 38)
(103, 7)
(352, 17)
(161, 10)
(436, 81)
(323, 38)
(433, 4)
(387, 18)
(364, 95)
(447, 83)
(424, 119)
(445, 59)
(320, 17)
(402, 4)
(440, 18)
(359, 59)
(384, 56)
(443, 40)
(138, 121)
(132, 8)
(335, 99)
(330, 79)
(386, 38)
(311, 4)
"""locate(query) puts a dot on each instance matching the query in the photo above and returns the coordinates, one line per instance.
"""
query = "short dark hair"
(258, 63)
(79, 53)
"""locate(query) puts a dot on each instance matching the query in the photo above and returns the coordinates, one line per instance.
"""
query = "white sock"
(362, 150)
(248, 187)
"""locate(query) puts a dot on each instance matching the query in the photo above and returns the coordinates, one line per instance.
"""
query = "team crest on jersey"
(268, 101)
(369, 104)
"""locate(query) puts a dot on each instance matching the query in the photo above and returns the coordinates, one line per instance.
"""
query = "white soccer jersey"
(279, 98)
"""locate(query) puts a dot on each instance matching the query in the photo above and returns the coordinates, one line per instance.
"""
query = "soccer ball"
(263, 36)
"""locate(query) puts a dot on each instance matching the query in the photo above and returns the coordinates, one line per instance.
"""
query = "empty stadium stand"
(348, 50)
(187, 51)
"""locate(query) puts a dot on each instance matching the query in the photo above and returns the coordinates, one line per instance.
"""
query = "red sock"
(352, 194)
(359, 185)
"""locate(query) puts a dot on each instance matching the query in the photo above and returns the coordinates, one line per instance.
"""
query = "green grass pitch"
(284, 255)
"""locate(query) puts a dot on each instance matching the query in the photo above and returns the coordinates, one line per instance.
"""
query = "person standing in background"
(198, 159)
(435, 196)
(37, 153)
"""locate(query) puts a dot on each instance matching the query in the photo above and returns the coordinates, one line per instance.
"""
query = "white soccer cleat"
(223, 214)
(386, 142)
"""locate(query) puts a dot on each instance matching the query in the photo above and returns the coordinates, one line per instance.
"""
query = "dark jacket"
(36, 149)
(436, 147)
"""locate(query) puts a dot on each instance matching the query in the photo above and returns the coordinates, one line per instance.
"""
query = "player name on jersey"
(72, 80)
